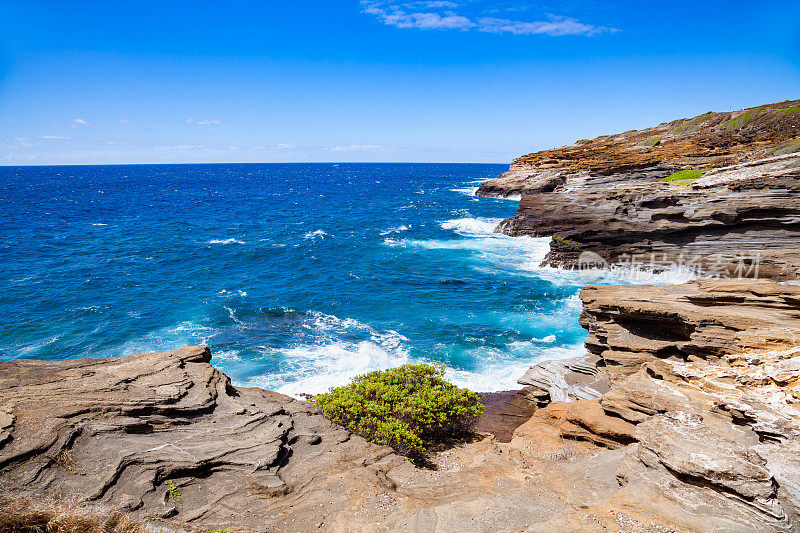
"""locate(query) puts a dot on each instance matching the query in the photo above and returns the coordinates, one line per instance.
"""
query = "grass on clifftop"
(743, 119)
(408, 408)
(683, 175)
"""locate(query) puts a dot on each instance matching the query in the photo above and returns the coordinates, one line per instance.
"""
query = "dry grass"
(37, 515)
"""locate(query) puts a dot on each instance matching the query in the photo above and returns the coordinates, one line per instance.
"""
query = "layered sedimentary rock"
(725, 222)
(607, 196)
(700, 439)
(702, 378)
(708, 140)
(703, 401)
(166, 438)
(683, 417)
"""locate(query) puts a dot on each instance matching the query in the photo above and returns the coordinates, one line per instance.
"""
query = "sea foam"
(226, 241)
(317, 234)
(472, 226)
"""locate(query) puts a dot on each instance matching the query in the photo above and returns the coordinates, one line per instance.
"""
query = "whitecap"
(226, 356)
(232, 315)
(616, 275)
(226, 241)
(36, 346)
(512, 197)
(398, 229)
(331, 361)
(314, 234)
(99, 224)
(393, 242)
(314, 369)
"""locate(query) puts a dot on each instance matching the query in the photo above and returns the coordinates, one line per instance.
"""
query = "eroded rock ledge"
(684, 418)
(705, 383)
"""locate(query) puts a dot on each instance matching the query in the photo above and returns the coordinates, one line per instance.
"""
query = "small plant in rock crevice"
(173, 492)
(65, 461)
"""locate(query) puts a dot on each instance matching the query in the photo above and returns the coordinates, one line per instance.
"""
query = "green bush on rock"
(408, 408)
(684, 175)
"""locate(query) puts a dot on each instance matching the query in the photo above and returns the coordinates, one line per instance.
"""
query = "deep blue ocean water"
(299, 276)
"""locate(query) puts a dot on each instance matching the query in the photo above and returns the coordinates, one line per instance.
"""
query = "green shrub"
(794, 109)
(408, 408)
(583, 141)
(652, 141)
(683, 175)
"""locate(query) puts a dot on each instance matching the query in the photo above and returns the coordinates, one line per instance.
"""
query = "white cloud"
(24, 141)
(442, 17)
(426, 21)
(439, 3)
(556, 26)
(206, 122)
(283, 146)
(53, 137)
(77, 122)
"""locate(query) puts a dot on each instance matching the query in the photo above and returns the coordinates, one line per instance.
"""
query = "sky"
(109, 82)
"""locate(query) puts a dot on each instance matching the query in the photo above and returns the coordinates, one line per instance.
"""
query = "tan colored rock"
(586, 420)
(631, 325)
(640, 396)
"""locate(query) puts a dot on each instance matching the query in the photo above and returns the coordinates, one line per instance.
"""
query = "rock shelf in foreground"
(696, 432)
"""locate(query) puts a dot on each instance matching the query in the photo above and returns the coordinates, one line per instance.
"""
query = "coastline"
(683, 416)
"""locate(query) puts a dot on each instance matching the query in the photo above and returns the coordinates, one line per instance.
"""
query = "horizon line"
(261, 163)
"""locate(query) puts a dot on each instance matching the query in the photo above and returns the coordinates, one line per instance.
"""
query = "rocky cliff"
(607, 196)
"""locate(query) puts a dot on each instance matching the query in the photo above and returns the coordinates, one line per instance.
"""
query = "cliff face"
(607, 196)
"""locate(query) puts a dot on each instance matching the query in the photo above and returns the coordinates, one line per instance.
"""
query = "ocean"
(298, 276)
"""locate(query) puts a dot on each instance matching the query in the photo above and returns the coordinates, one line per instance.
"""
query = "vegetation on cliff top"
(715, 139)
(408, 408)
(683, 175)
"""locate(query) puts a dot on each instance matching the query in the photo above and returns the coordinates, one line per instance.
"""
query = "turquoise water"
(298, 276)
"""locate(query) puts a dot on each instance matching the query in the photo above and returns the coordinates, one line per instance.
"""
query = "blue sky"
(347, 80)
